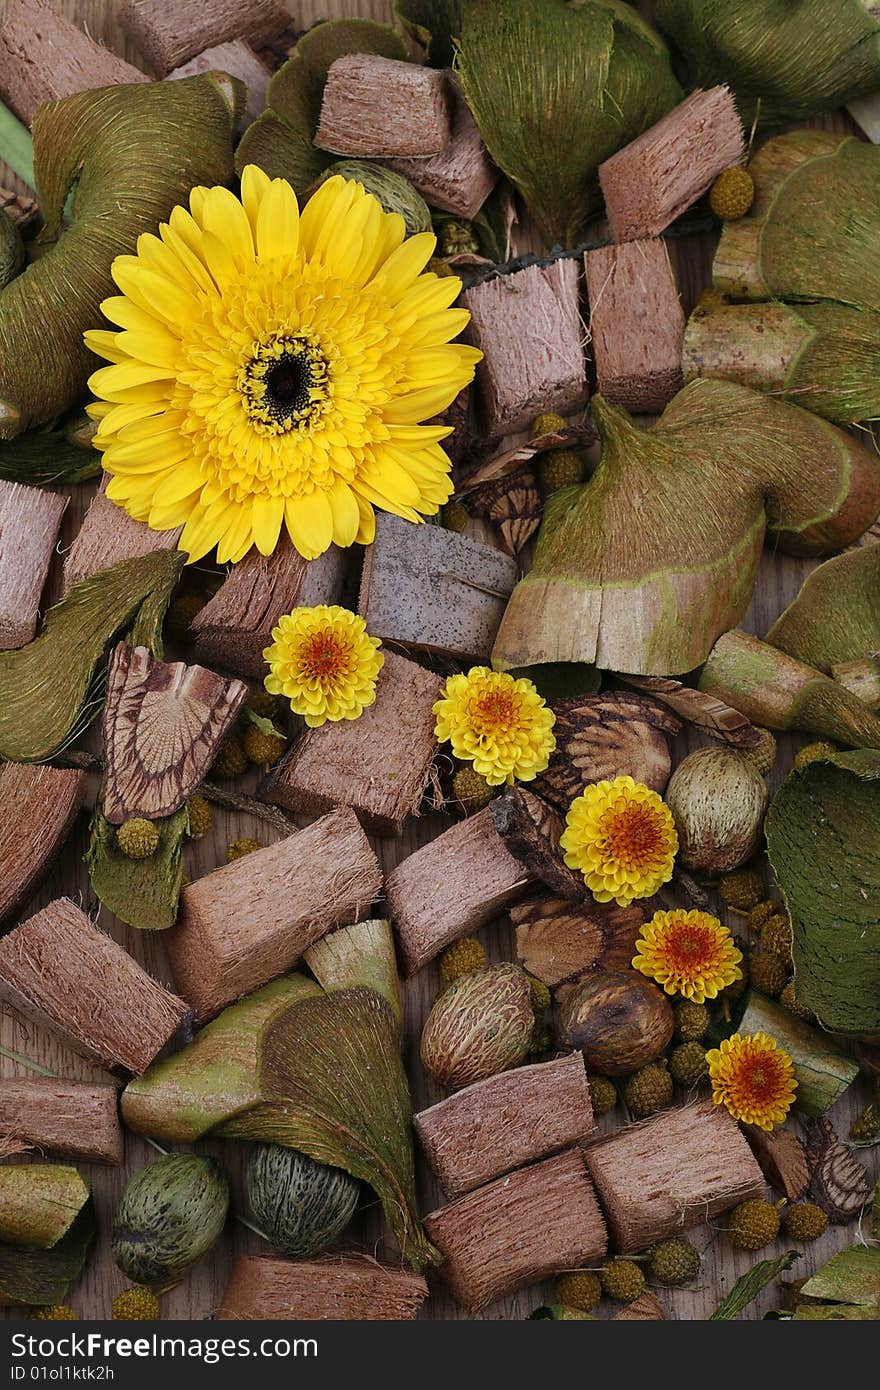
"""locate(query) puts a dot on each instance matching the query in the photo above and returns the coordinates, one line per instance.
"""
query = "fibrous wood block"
(559, 941)
(519, 1229)
(38, 805)
(451, 887)
(239, 60)
(29, 521)
(427, 588)
(342, 1288)
(460, 178)
(108, 534)
(251, 920)
(377, 107)
(163, 725)
(168, 32)
(636, 324)
(663, 172)
(232, 630)
(68, 1119)
(60, 971)
(506, 1121)
(44, 57)
(675, 1170)
(377, 764)
(529, 328)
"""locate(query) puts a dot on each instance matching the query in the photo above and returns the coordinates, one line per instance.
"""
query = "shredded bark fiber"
(344, 1288)
(29, 522)
(68, 1119)
(636, 324)
(168, 32)
(460, 178)
(58, 970)
(107, 535)
(519, 1229)
(560, 941)
(38, 805)
(505, 1122)
(375, 107)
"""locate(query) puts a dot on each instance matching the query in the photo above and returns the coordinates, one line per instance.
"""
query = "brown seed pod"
(618, 1019)
(480, 1025)
(718, 799)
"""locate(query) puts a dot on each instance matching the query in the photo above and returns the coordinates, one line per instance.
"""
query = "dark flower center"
(285, 384)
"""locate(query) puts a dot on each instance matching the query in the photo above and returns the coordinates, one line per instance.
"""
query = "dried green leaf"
(749, 1285)
(555, 90)
(39, 1203)
(851, 1276)
(836, 616)
(435, 24)
(362, 954)
(823, 840)
(44, 687)
(43, 458)
(141, 892)
(40, 1278)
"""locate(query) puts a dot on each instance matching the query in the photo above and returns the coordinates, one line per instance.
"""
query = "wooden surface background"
(199, 1295)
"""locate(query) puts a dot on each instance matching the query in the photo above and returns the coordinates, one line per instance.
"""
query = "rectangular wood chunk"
(461, 177)
(375, 107)
(663, 172)
(108, 534)
(239, 60)
(506, 1121)
(424, 587)
(251, 920)
(168, 32)
(232, 630)
(451, 887)
(68, 1119)
(342, 1288)
(38, 805)
(672, 1171)
(636, 324)
(377, 764)
(30, 518)
(529, 328)
(60, 971)
(519, 1229)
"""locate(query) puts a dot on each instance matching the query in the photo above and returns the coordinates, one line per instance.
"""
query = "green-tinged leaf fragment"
(141, 892)
(45, 686)
(850, 1276)
(749, 1285)
(555, 90)
(836, 616)
(44, 458)
(362, 954)
(435, 24)
(834, 1312)
(823, 840)
(39, 1278)
(39, 1203)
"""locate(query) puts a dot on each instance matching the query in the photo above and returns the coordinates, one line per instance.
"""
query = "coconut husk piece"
(168, 32)
(722, 466)
(38, 806)
(704, 712)
(155, 144)
(348, 1287)
(561, 941)
(783, 1159)
(636, 324)
(531, 829)
(606, 736)
(29, 525)
(45, 686)
(839, 1183)
(238, 59)
(143, 893)
(40, 1278)
(163, 725)
(107, 535)
(835, 618)
(460, 178)
(70, 1119)
(39, 1203)
(362, 954)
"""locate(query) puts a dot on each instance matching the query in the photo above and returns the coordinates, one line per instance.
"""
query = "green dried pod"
(39, 1203)
(11, 250)
(168, 1217)
(47, 457)
(783, 61)
(482, 1024)
(141, 892)
(301, 1206)
(131, 153)
(39, 1278)
(394, 192)
(835, 618)
(556, 87)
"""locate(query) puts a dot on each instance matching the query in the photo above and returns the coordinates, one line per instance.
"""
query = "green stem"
(16, 146)
(26, 1062)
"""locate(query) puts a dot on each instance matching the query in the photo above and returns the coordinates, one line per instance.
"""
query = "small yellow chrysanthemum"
(688, 953)
(324, 662)
(500, 724)
(754, 1078)
(273, 370)
(621, 836)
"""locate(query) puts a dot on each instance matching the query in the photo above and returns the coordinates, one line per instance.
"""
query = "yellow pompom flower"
(498, 723)
(754, 1078)
(324, 662)
(688, 953)
(273, 370)
(621, 836)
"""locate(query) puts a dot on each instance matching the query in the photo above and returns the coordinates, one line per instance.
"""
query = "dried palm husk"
(362, 954)
(280, 141)
(435, 24)
(704, 712)
(141, 892)
(839, 1183)
(40, 1278)
(39, 1203)
(784, 62)
(131, 153)
(605, 736)
(47, 457)
(556, 87)
(823, 840)
(640, 569)
(45, 687)
(836, 616)
(804, 266)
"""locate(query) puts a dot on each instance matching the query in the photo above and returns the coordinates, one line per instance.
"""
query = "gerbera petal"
(226, 219)
(405, 264)
(267, 514)
(411, 409)
(277, 222)
(254, 186)
(309, 522)
(346, 514)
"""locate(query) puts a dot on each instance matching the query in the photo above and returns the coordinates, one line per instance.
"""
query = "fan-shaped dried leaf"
(838, 1182)
(512, 505)
(607, 736)
(706, 713)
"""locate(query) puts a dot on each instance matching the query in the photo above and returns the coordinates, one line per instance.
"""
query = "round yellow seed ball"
(732, 193)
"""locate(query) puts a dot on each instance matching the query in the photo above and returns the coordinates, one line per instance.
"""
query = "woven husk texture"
(38, 805)
(345, 1288)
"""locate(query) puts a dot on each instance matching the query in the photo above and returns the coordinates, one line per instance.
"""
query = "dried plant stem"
(17, 146)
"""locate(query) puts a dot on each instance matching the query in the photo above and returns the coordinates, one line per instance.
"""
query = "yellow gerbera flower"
(621, 836)
(324, 661)
(754, 1078)
(688, 953)
(272, 370)
(499, 724)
